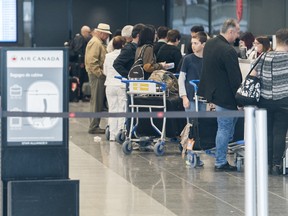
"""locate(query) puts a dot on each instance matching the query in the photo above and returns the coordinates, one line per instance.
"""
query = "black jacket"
(221, 75)
(169, 53)
(125, 60)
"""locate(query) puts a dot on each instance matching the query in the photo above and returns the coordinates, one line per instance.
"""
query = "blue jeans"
(224, 134)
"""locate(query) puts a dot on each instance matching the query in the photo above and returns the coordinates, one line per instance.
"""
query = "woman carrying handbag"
(272, 71)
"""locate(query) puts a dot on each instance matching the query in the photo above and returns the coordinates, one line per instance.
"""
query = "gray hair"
(228, 24)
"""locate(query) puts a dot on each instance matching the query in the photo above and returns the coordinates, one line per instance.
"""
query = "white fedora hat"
(103, 27)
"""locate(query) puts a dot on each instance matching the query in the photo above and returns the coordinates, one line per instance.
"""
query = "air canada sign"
(38, 58)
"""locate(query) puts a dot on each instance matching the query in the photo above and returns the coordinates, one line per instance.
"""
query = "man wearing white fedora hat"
(94, 60)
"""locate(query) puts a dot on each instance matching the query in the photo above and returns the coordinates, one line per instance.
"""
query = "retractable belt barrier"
(169, 114)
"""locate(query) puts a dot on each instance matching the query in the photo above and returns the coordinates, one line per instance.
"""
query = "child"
(191, 70)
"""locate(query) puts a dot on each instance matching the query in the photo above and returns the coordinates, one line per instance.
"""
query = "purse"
(249, 91)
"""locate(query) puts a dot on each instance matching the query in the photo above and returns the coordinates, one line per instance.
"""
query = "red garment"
(239, 9)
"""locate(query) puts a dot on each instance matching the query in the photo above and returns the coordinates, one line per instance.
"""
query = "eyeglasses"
(256, 43)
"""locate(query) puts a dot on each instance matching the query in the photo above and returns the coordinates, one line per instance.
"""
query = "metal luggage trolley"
(235, 148)
(145, 88)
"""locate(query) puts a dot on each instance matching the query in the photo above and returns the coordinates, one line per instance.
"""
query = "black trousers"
(277, 124)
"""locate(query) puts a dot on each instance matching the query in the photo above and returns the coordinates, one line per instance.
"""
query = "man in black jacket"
(126, 58)
(77, 49)
(220, 79)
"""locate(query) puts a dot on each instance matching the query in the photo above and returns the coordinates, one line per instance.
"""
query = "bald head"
(85, 31)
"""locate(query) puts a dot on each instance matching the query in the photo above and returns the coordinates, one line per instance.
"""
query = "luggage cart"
(145, 88)
(207, 146)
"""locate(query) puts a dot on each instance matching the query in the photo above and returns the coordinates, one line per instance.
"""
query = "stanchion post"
(250, 164)
(262, 168)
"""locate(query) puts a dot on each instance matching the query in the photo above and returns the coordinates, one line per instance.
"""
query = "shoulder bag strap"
(257, 61)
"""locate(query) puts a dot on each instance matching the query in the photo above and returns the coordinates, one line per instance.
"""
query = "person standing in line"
(261, 44)
(94, 60)
(115, 90)
(145, 45)
(126, 58)
(170, 53)
(191, 70)
(219, 81)
(77, 49)
(193, 31)
(274, 97)
(162, 38)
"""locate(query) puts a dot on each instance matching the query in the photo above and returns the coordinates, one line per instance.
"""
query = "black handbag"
(249, 91)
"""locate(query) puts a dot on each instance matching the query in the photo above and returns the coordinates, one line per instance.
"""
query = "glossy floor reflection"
(112, 183)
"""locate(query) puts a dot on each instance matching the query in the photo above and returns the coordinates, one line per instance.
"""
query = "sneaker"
(226, 167)
(200, 163)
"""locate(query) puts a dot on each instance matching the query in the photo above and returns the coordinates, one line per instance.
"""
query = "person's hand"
(240, 108)
(186, 102)
(163, 64)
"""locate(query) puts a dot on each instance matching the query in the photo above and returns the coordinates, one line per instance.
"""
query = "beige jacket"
(95, 56)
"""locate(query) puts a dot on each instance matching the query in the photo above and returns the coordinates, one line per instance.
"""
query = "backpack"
(168, 78)
(137, 72)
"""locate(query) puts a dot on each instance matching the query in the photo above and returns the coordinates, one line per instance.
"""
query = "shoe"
(226, 167)
(85, 99)
(97, 131)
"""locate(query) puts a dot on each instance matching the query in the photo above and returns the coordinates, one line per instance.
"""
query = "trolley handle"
(194, 84)
(162, 85)
(119, 77)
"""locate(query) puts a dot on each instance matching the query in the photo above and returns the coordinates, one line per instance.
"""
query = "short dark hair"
(162, 32)
(173, 35)
(118, 42)
(282, 36)
(197, 28)
(137, 29)
(201, 36)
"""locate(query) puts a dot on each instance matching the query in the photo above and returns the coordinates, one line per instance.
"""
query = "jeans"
(225, 132)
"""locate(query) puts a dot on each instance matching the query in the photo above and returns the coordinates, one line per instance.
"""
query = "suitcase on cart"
(174, 126)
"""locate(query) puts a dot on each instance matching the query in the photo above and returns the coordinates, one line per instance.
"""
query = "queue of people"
(215, 62)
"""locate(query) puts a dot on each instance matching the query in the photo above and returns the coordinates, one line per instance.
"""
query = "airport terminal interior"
(112, 183)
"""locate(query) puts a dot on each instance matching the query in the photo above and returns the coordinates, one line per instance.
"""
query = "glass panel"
(187, 13)
(224, 9)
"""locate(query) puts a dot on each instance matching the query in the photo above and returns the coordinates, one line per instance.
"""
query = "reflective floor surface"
(142, 184)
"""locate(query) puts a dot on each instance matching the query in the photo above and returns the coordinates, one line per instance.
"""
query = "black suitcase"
(205, 131)
(74, 89)
(174, 126)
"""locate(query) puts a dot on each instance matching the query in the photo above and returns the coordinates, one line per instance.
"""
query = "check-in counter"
(245, 65)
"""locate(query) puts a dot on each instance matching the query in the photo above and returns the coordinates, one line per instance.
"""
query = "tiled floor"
(112, 183)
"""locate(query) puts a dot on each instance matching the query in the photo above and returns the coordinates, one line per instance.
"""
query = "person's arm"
(182, 89)
(233, 68)
(177, 59)
(123, 60)
(149, 60)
